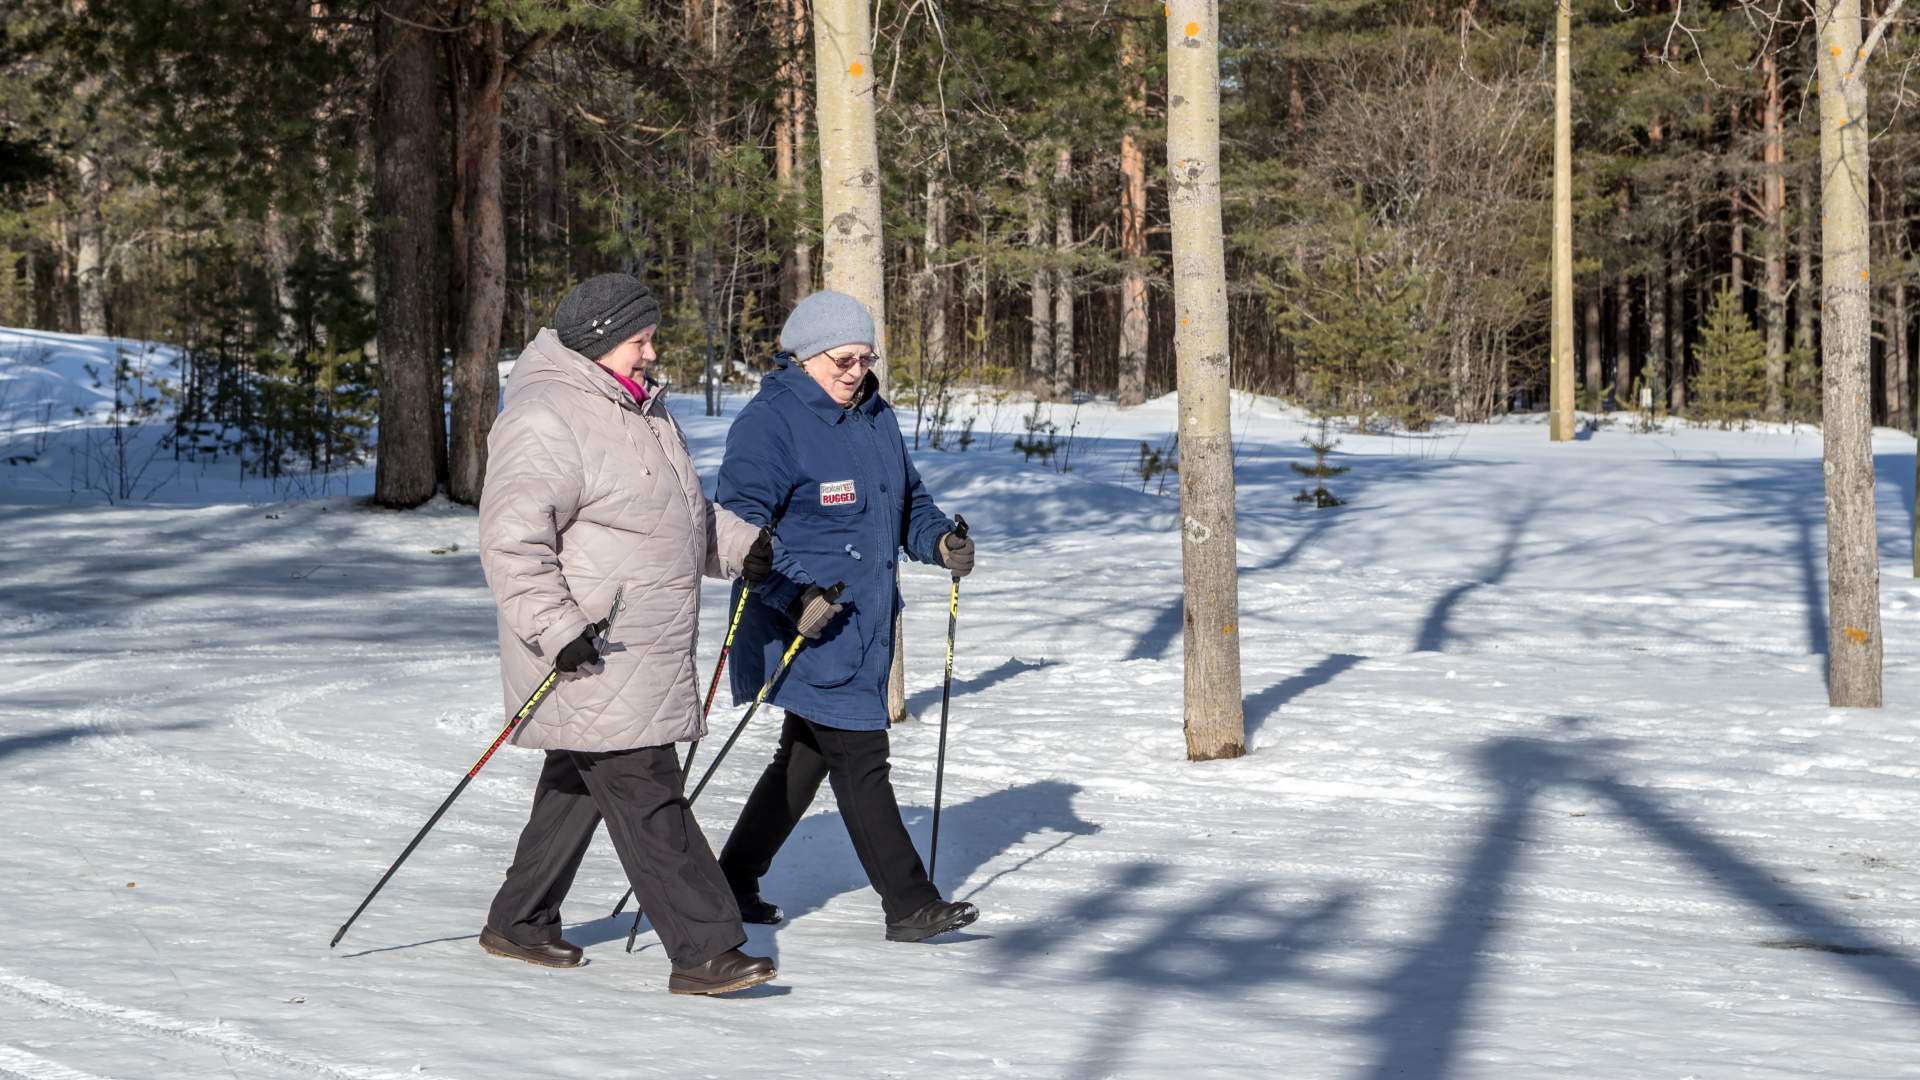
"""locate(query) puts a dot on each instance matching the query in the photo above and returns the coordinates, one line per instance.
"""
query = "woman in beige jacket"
(590, 490)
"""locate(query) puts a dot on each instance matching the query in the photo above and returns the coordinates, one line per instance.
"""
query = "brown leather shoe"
(555, 954)
(731, 970)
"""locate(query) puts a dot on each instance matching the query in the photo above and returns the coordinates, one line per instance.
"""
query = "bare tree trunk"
(790, 130)
(406, 134)
(1803, 332)
(1296, 101)
(1773, 205)
(1040, 288)
(1561, 372)
(476, 377)
(1656, 375)
(1063, 354)
(90, 235)
(1214, 718)
(1622, 337)
(1133, 227)
(1656, 301)
(1898, 396)
(1736, 230)
(1595, 375)
(1677, 291)
(1853, 569)
(851, 246)
(936, 293)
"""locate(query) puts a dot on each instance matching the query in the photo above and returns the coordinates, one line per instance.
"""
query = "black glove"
(811, 611)
(579, 652)
(956, 553)
(759, 561)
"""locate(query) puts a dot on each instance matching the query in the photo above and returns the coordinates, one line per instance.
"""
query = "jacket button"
(883, 489)
(889, 564)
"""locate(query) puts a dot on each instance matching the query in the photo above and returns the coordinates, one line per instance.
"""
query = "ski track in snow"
(1541, 782)
(18, 1064)
(121, 1018)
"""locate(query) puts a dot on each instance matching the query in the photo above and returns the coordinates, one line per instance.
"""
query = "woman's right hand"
(812, 611)
(759, 561)
(580, 652)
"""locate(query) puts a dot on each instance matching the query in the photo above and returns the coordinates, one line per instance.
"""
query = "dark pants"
(856, 762)
(666, 857)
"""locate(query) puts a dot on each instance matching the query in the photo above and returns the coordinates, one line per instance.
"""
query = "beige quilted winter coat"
(587, 491)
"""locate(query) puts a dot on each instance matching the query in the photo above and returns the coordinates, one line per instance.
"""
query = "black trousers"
(660, 846)
(856, 762)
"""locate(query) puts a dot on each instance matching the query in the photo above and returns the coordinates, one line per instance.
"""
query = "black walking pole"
(946, 694)
(832, 595)
(526, 710)
(713, 687)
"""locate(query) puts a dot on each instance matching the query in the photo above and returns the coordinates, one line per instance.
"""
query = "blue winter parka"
(844, 500)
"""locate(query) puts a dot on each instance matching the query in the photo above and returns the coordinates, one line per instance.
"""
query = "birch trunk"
(1561, 378)
(1214, 719)
(1773, 207)
(1063, 274)
(1133, 227)
(1039, 288)
(90, 257)
(936, 290)
(790, 132)
(1804, 338)
(1656, 301)
(851, 244)
(1853, 571)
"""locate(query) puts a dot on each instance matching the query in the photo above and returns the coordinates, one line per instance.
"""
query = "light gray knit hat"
(826, 320)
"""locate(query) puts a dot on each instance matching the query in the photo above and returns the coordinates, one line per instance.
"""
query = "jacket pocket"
(837, 656)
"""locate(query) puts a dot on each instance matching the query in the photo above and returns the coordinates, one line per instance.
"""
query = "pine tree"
(1731, 382)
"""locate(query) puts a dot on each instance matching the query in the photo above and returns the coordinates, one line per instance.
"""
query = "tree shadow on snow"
(1013, 666)
(1431, 995)
(1157, 639)
(1436, 631)
(1222, 948)
(1264, 704)
(1789, 494)
(817, 863)
(30, 742)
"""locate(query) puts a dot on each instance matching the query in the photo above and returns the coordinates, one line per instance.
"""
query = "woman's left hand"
(956, 554)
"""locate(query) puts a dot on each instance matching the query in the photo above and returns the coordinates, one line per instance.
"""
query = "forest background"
(300, 193)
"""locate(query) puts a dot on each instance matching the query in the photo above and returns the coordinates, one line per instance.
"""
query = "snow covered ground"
(1543, 783)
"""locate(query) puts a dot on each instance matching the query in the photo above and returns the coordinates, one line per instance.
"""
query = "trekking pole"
(799, 640)
(946, 694)
(526, 710)
(706, 710)
(712, 688)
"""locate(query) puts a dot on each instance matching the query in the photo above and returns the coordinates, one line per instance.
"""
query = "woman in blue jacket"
(817, 455)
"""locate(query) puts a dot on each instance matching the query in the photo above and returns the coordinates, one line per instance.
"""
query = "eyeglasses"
(865, 360)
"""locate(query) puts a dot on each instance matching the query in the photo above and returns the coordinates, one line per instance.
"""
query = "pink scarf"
(639, 392)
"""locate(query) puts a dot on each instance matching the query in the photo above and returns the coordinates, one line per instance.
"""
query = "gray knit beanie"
(826, 320)
(601, 312)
